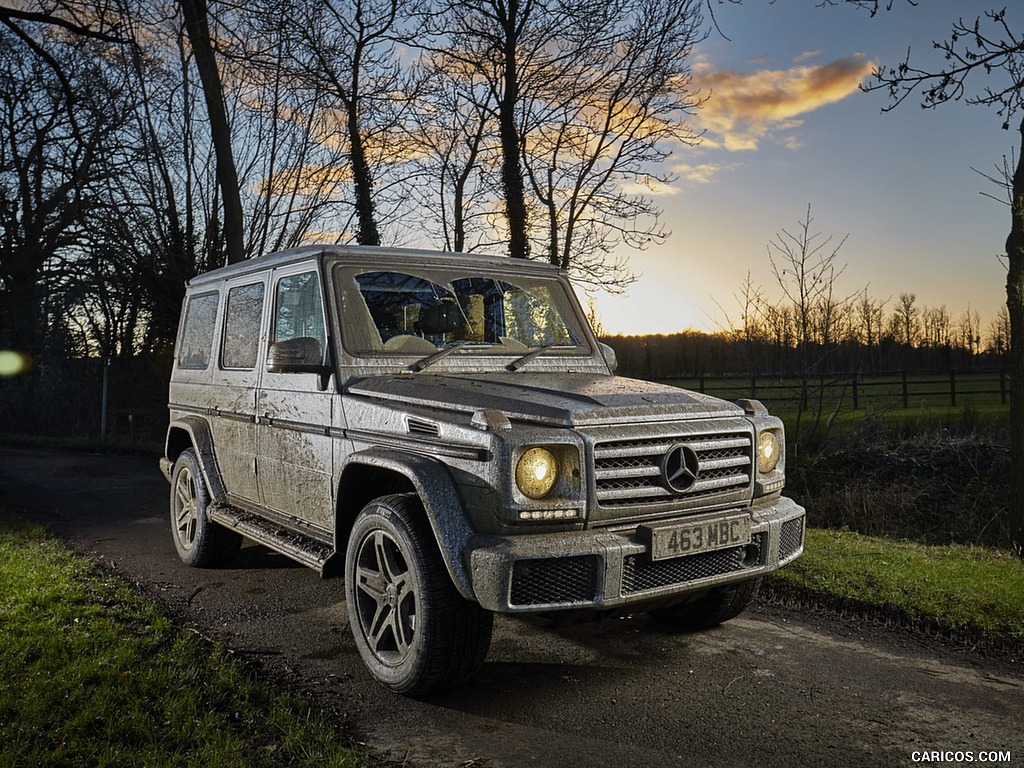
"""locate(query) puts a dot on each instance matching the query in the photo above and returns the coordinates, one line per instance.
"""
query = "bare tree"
(586, 99)
(935, 327)
(513, 48)
(450, 139)
(905, 323)
(198, 25)
(982, 63)
(49, 162)
(870, 314)
(346, 53)
(968, 329)
(601, 126)
(999, 333)
(805, 266)
(751, 332)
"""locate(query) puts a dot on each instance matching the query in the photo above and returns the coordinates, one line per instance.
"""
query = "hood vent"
(422, 428)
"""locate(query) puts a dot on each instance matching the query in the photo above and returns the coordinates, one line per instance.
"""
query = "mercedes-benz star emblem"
(679, 468)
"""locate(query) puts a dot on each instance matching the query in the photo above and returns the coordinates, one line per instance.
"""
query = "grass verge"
(95, 675)
(971, 595)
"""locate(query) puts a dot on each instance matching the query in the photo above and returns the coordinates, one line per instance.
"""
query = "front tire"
(200, 542)
(414, 631)
(719, 605)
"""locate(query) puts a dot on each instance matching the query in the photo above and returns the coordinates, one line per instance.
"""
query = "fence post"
(856, 404)
(952, 387)
(702, 383)
(103, 404)
(1002, 385)
(906, 393)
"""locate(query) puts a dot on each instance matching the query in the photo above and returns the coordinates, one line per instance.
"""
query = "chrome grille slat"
(619, 448)
(729, 481)
(641, 471)
(631, 493)
(734, 461)
(719, 444)
(611, 450)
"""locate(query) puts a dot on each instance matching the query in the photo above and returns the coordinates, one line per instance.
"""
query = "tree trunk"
(361, 177)
(197, 25)
(508, 133)
(554, 248)
(1015, 308)
(23, 300)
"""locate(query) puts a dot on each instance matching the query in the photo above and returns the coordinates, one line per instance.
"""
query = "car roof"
(375, 256)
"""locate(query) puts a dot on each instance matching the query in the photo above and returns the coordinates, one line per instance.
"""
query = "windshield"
(420, 312)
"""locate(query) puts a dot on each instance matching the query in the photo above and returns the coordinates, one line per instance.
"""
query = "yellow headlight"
(769, 452)
(536, 472)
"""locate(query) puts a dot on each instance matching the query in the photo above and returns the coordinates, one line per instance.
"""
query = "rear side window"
(197, 334)
(242, 326)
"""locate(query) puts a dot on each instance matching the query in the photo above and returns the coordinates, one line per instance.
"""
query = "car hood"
(571, 399)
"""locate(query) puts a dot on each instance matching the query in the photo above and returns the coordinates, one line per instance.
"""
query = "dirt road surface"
(772, 688)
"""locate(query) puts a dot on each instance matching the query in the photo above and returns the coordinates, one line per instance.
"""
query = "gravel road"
(772, 688)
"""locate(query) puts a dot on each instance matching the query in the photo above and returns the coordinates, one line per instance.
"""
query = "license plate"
(678, 540)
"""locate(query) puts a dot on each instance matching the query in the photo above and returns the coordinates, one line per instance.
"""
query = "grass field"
(95, 675)
(975, 594)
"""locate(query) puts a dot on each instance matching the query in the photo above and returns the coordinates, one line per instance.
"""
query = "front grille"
(555, 581)
(639, 573)
(629, 472)
(791, 538)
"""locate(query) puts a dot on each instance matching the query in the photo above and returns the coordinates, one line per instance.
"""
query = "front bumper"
(605, 570)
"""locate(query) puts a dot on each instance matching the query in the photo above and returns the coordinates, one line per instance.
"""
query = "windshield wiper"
(519, 362)
(433, 357)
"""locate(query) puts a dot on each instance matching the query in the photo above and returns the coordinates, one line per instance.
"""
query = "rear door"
(235, 385)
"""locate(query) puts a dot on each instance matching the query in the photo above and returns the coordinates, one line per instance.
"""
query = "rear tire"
(719, 605)
(414, 631)
(200, 542)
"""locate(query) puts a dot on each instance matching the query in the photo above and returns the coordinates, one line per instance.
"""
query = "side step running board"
(303, 549)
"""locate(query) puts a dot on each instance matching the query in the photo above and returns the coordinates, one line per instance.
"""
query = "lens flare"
(14, 363)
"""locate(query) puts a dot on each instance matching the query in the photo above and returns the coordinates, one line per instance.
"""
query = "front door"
(294, 445)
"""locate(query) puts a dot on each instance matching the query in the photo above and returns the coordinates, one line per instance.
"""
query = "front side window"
(197, 333)
(242, 327)
(298, 311)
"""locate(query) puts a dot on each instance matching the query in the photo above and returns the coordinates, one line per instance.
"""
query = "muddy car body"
(445, 432)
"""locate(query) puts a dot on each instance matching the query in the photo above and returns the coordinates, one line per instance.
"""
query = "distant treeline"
(692, 354)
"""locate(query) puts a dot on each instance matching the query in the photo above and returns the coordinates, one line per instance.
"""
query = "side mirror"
(609, 356)
(302, 355)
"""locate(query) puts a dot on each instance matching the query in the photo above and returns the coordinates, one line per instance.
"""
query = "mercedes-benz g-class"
(445, 432)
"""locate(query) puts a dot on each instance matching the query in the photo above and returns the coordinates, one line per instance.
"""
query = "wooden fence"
(898, 388)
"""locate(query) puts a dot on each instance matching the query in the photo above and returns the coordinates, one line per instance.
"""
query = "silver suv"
(445, 432)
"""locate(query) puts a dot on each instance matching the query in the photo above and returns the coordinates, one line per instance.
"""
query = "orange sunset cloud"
(744, 107)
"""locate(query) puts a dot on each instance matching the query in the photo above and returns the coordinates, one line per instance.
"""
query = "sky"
(786, 127)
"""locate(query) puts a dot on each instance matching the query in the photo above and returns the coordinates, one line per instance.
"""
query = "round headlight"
(769, 451)
(536, 472)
